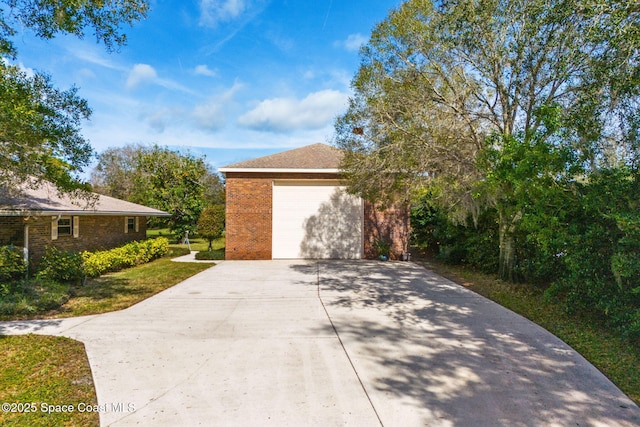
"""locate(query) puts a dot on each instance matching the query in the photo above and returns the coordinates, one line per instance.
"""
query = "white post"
(25, 248)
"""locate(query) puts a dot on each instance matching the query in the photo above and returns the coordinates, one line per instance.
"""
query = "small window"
(65, 226)
(131, 225)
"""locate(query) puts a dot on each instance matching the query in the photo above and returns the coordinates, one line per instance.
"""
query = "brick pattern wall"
(11, 231)
(391, 224)
(249, 217)
(95, 233)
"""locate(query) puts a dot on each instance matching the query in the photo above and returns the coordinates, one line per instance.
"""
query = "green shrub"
(210, 255)
(211, 223)
(382, 247)
(35, 295)
(129, 255)
(60, 265)
(12, 265)
(157, 247)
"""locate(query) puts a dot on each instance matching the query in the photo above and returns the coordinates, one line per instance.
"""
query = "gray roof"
(45, 200)
(311, 157)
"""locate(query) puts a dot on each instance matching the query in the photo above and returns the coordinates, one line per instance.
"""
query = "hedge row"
(129, 255)
(67, 266)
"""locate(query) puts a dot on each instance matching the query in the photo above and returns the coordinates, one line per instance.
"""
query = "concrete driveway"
(254, 343)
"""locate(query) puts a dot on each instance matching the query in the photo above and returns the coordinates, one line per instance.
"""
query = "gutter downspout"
(25, 248)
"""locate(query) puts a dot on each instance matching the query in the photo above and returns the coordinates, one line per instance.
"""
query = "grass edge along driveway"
(41, 374)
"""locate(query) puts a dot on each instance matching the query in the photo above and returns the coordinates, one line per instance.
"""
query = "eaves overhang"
(26, 212)
(276, 170)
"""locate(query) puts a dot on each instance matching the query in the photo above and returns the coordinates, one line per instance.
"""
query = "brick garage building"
(37, 218)
(292, 205)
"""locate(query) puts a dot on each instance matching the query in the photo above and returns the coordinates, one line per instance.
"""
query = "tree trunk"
(507, 260)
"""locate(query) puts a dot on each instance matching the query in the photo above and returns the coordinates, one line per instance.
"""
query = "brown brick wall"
(249, 215)
(391, 224)
(96, 232)
(11, 231)
(248, 218)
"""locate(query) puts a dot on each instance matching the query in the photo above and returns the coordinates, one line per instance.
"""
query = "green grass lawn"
(196, 243)
(54, 370)
(116, 291)
(616, 358)
(123, 289)
(38, 371)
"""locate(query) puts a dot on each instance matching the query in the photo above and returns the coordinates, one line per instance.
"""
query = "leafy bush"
(475, 244)
(382, 247)
(12, 265)
(211, 223)
(580, 240)
(35, 295)
(210, 255)
(60, 265)
(129, 255)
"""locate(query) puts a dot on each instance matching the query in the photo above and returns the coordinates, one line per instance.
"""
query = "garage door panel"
(316, 221)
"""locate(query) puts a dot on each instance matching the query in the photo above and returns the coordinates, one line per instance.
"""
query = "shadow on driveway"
(21, 327)
(430, 352)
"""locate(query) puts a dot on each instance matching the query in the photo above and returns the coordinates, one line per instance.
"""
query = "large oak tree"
(179, 183)
(488, 101)
(40, 125)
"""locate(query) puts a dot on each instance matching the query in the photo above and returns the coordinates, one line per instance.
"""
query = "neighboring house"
(293, 205)
(37, 218)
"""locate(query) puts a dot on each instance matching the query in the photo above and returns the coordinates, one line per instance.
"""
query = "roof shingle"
(316, 156)
(45, 200)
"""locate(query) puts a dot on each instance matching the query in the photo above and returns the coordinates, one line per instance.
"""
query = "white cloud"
(315, 111)
(144, 73)
(214, 11)
(92, 56)
(353, 42)
(159, 119)
(204, 70)
(213, 114)
(209, 116)
(30, 72)
(141, 73)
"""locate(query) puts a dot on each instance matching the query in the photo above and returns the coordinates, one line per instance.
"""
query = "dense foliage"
(515, 127)
(59, 271)
(129, 255)
(211, 223)
(12, 267)
(39, 124)
(61, 266)
(492, 103)
(581, 243)
(178, 183)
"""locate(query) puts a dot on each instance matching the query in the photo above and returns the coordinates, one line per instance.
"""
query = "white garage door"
(315, 220)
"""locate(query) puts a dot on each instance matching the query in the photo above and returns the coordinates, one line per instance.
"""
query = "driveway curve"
(254, 343)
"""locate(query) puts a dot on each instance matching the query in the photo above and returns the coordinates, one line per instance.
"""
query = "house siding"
(390, 224)
(95, 233)
(11, 231)
(249, 217)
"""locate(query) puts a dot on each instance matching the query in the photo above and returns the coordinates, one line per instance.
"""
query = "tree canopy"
(40, 132)
(488, 101)
(179, 183)
(211, 223)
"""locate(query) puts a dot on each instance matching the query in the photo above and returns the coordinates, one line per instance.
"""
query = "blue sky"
(229, 79)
